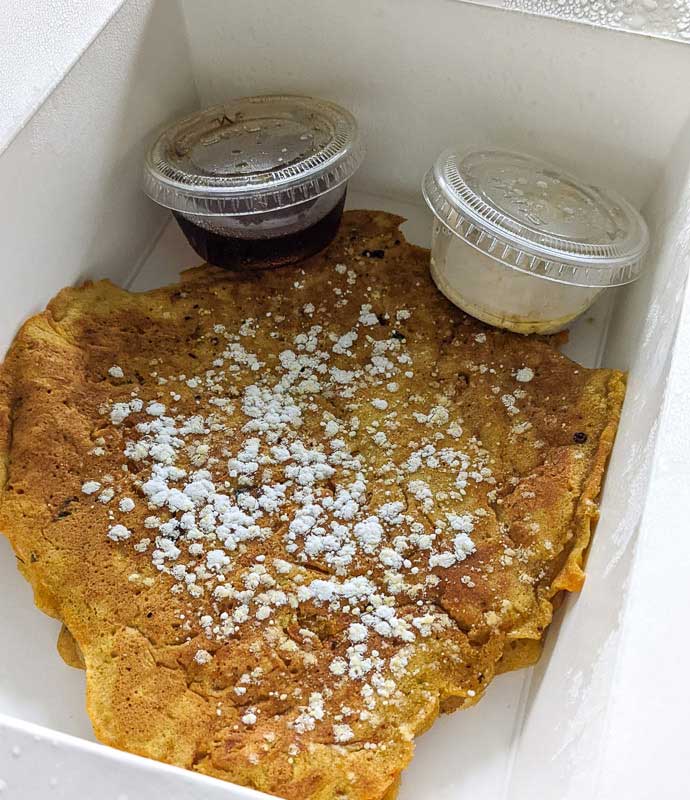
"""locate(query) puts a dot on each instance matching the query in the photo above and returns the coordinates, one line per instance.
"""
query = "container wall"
(578, 700)
(422, 74)
(72, 208)
(651, 672)
(39, 42)
(37, 764)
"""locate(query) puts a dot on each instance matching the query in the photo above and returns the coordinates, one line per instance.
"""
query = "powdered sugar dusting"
(250, 519)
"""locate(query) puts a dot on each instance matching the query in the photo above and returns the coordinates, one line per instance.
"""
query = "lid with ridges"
(534, 217)
(253, 154)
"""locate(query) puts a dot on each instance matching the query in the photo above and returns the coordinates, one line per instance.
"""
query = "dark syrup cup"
(258, 182)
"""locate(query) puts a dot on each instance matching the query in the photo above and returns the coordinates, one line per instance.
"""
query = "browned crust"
(144, 693)
(68, 648)
(572, 576)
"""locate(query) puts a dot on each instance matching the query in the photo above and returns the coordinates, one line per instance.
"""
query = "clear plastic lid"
(252, 155)
(534, 217)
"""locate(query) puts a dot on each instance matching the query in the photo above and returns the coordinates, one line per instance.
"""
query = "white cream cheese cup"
(522, 245)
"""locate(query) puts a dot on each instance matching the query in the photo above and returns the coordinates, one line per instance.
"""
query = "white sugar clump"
(342, 733)
(461, 522)
(357, 632)
(202, 656)
(524, 375)
(464, 546)
(367, 317)
(119, 533)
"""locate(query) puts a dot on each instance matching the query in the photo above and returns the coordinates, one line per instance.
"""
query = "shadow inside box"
(35, 683)
(467, 753)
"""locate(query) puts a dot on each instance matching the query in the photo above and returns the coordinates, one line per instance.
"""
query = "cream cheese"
(499, 295)
(523, 245)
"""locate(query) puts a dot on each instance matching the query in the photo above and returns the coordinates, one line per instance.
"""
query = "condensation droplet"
(652, 17)
(637, 21)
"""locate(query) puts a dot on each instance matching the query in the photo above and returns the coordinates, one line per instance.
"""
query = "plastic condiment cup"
(521, 244)
(258, 181)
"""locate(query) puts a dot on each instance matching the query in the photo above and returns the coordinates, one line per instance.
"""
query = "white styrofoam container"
(604, 714)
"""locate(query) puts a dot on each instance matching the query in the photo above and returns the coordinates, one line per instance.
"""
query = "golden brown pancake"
(286, 518)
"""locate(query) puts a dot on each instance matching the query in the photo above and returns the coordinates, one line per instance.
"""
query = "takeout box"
(603, 715)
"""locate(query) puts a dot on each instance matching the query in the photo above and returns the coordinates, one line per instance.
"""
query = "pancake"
(286, 518)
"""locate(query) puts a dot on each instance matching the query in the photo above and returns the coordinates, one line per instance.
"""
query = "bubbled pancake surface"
(287, 518)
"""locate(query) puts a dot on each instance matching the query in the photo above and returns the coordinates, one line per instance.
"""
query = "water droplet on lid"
(53, 781)
(636, 21)
(305, 136)
(3, 785)
(16, 751)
